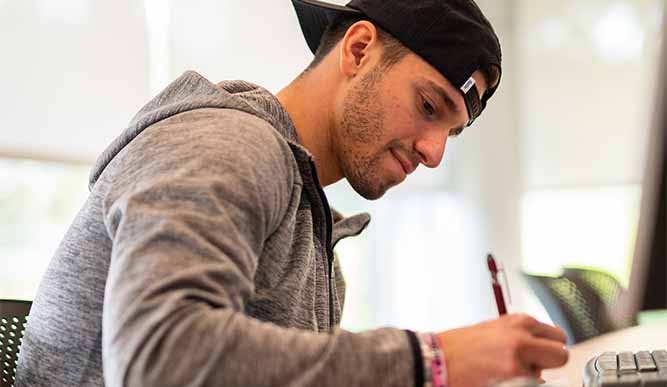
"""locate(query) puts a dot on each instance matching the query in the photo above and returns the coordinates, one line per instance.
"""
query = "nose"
(431, 147)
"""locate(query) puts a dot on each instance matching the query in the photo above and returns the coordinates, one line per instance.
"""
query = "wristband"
(435, 371)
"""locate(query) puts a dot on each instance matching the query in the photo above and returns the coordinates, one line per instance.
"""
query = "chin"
(370, 184)
(371, 191)
(371, 195)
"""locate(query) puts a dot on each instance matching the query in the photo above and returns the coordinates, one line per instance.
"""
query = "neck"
(309, 101)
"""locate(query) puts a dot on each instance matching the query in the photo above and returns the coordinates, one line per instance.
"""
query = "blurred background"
(550, 175)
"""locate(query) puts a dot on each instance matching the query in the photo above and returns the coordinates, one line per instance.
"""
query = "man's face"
(392, 120)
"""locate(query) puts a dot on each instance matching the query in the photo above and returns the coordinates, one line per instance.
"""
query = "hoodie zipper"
(329, 251)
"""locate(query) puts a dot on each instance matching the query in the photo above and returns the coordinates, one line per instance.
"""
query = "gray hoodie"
(204, 257)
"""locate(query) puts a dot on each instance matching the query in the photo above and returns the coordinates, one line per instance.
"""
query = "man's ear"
(358, 47)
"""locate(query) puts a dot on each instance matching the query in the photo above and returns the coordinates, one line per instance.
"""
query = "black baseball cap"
(451, 35)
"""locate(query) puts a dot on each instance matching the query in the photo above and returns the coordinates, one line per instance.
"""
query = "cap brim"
(314, 17)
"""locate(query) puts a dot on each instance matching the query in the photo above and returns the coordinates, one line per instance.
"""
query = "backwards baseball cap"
(451, 35)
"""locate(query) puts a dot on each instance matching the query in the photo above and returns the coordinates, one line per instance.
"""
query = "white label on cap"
(466, 86)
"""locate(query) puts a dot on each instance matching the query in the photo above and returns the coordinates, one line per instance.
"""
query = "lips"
(408, 167)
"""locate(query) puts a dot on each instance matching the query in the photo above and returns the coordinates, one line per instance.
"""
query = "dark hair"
(491, 74)
(393, 52)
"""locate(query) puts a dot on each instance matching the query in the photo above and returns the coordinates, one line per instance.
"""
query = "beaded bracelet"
(439, 372)
(435, 371)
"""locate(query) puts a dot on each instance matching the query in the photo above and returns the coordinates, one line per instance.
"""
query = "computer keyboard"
(623, 369)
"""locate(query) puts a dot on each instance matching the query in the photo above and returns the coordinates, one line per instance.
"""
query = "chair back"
(581, 301)
(13, 320)
(608, 291)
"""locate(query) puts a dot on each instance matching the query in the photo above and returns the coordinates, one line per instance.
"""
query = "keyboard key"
(606, 362)
(626, 363)
(645, 361)
(660, 357)
(603, 366)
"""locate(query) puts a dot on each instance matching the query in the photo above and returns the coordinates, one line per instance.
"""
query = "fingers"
(539, 329)
(549, 332)
(543, 353)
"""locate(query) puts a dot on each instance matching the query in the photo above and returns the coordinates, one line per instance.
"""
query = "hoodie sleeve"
(188, 206)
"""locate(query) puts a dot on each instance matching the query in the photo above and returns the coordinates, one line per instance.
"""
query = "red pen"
(497, 290)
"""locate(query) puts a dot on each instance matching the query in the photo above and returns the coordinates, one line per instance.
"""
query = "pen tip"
(491, 263)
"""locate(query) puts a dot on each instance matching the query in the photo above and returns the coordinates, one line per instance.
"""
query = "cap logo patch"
(466, 86)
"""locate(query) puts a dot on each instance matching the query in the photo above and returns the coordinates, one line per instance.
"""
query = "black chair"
(13, 319)
(580, 301)
(609, 292)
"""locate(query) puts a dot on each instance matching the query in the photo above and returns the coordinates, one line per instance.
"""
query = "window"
(586, 88)
(38, 201)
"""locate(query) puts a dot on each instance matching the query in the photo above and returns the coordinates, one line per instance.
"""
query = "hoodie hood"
(192, 91)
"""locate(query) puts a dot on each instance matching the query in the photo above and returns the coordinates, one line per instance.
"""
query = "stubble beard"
(360, 130)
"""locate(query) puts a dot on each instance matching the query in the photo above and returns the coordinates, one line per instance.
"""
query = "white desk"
(650, 336)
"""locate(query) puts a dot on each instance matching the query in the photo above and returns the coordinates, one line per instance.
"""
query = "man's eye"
(455, 132)
(428, 108)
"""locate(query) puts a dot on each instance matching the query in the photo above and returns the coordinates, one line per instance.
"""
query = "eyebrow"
(444, 95)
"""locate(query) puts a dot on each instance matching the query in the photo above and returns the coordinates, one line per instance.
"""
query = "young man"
(204, 254)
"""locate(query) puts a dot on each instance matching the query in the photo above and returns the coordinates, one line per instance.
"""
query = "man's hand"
(513, 345)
